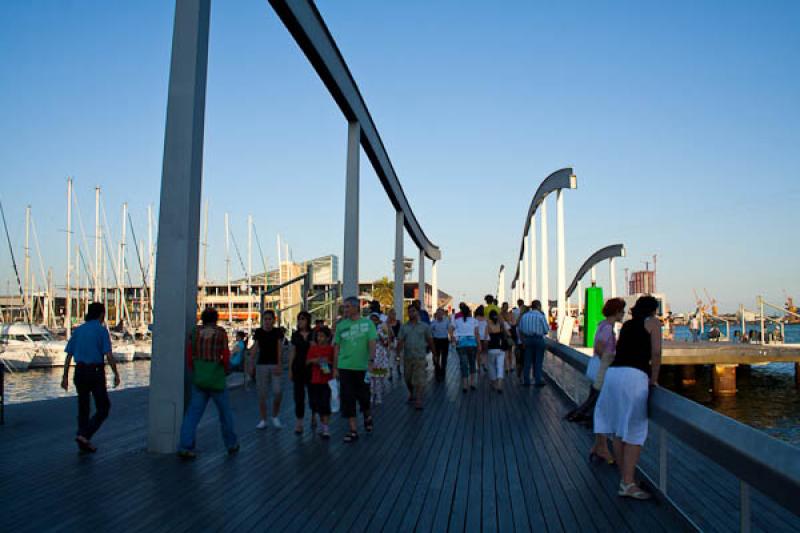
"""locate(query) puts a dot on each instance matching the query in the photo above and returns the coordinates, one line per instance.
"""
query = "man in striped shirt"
(533, 327)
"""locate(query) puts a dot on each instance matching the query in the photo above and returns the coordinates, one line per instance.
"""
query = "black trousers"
(442, 347)
(90, 381)
(319, 398)
(352, 390)
(299, 387)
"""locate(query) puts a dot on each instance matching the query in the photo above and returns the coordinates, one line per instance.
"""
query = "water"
(767, 398)
(45, 383)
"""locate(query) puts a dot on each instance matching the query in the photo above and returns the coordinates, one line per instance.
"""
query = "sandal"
(368, 425)
(85, 445)
(632, 490)
(351, 436)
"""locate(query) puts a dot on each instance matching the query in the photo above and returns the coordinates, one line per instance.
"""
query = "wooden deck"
(475, 462)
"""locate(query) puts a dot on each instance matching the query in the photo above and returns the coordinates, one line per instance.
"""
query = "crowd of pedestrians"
(358, 360)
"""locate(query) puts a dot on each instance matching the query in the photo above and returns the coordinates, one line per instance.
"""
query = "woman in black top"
(299, 373)
(621, 409)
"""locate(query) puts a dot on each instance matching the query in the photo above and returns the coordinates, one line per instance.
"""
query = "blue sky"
(680, 119)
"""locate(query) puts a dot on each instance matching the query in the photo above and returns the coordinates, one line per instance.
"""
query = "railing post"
(744, 507)
(663, 454)
(399, 265)
(179, 222)
(350, 260)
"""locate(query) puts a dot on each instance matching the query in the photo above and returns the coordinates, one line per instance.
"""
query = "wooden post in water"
(724, 380)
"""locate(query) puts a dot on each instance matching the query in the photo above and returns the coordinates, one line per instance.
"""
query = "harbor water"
(767, 397)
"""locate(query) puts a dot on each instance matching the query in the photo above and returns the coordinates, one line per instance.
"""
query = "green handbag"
(208, 375)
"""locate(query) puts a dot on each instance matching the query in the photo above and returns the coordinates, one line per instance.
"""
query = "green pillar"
(592, 315)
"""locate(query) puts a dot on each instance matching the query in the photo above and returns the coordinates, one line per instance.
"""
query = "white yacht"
(24, 346)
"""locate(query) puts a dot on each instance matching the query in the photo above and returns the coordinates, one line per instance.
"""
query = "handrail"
(765, 463)
(614, 250)
(305, 23)
(560, 179)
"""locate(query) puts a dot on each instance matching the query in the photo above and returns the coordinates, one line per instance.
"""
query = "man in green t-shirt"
(354, 351)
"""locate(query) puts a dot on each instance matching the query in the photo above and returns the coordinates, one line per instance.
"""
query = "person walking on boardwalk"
(621, 409)
(491, 305)
(424, 317)
(496, 350)
(269, 346)
(354, 350)
(394, 328)
(320, 361)
(510, 324)
(483, 337)
(605, 347)
(208, 359)
(382, 364)
(533, 327)
(464, 335)
(414, 341)
(440, 331)
(299, 373)
(89, 344)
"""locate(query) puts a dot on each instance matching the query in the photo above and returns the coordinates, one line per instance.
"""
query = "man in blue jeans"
(208, 358)
(533, 327)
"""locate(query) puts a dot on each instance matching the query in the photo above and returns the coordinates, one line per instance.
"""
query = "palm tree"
(383, 291)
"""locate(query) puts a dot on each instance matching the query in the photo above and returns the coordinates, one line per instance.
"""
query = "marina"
(384, 374)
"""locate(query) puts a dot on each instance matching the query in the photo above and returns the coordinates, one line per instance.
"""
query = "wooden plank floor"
(480, 461)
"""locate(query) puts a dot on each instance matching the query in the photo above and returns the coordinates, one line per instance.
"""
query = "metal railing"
(757, 460)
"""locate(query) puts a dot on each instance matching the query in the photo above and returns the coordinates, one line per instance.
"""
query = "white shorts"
(266, 380)
(497, 364)
(621, 409)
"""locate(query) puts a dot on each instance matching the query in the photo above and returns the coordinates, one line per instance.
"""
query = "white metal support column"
(520, 288)
(350, 260)
(561, 261)
(399, 266)
(534, 292)
(434, 286)
(612, 270)
(526, 288)
(178, 222)
(421, 272)
(545, 294)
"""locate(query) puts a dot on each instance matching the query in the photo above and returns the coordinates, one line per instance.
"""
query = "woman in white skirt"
(621, 409)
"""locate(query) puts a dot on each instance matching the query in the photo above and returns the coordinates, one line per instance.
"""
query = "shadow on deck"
(470, 462)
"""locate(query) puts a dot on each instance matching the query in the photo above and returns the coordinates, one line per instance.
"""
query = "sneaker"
(262, 424)
(233, 449)
(276, 423)
(186, 454)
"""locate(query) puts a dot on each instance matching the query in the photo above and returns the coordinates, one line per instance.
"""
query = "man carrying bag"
(208, 358)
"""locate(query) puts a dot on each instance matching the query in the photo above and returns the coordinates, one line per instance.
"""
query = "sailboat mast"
(27, 300)
(121, 264)
(280, 273)
(228, 270)
(97, 248)
(68, 309)
(250, 274)
(151, 269)
(205, 248)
